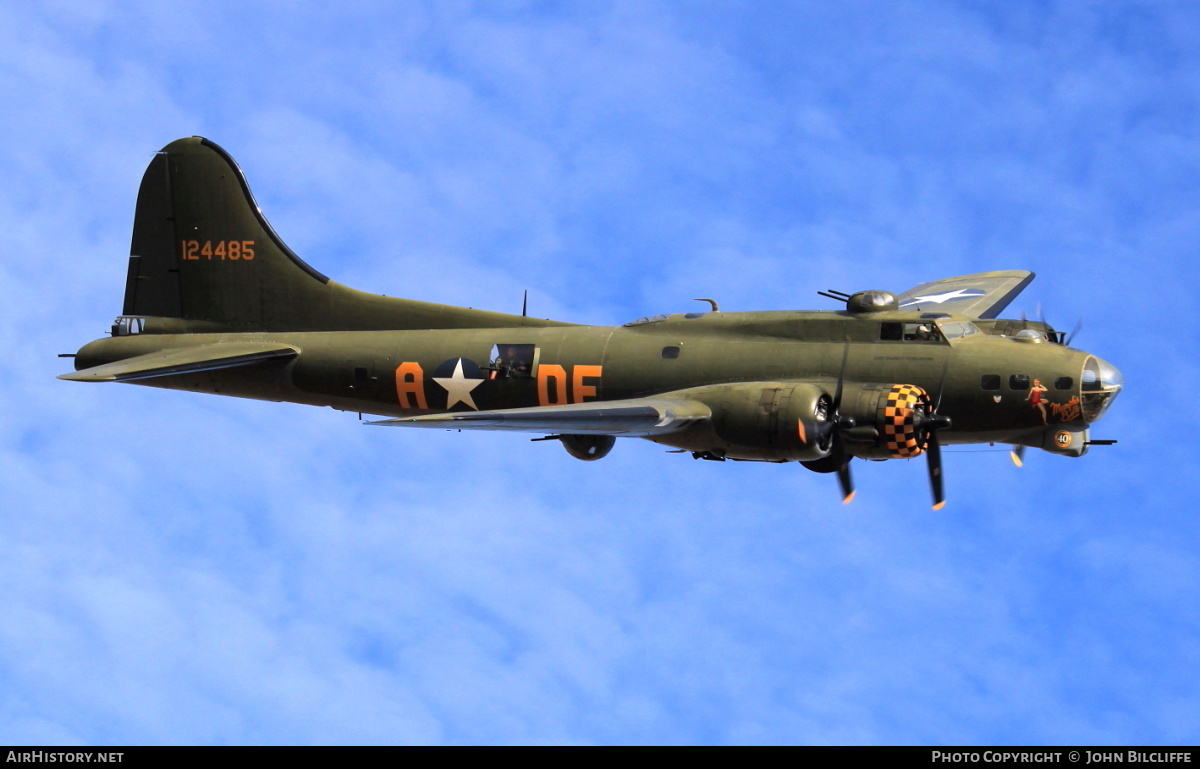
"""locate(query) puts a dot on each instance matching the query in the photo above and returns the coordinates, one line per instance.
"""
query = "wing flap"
(184, 360)
(634, 417)
(978, 295)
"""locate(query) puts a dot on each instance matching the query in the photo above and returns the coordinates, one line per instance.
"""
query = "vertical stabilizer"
(202, 250)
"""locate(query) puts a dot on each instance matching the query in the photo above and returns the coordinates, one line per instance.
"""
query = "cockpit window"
(925, 331)
(956, 329)
(931, 329)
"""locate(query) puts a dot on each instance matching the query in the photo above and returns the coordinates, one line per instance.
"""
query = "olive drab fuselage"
(215, 302)
(732, 356)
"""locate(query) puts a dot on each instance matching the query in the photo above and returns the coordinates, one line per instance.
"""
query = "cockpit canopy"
(932, 327)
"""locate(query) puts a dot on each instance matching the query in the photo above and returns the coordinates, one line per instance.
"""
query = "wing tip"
(85, 375)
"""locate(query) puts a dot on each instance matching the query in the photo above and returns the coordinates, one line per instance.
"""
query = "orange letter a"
(410, 383)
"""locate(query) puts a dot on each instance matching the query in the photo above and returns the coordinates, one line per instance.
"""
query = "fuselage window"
(1064, 383)
(127, 325)
(1018, 382)
(891, 332)
(989, 382)
(510, 361)
(670, 352)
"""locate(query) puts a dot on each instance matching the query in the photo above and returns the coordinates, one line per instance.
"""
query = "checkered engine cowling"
(898, 419)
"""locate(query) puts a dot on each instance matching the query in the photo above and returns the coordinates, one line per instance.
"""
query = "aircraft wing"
(978, 295)
(184, 360)
(635, 417)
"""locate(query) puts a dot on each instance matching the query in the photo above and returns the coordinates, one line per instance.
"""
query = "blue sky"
(186, 569)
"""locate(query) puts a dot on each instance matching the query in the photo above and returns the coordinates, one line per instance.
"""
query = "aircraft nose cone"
(1101, 383)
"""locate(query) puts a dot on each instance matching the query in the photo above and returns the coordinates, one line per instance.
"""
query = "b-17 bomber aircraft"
(215, 302)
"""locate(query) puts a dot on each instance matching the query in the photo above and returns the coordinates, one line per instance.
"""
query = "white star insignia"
(458, 388)
(949, 296)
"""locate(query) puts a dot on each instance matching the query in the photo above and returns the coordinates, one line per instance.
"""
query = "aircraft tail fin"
(203, 252)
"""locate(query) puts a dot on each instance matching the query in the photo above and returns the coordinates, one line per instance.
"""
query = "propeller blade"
(933, 453)
(1017, 455)
(845, 481)
(837, 393)
(937, 403)
(1078, 327)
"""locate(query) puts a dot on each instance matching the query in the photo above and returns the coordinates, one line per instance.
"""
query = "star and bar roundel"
(455, 384)
(459, 377)
(945, 296)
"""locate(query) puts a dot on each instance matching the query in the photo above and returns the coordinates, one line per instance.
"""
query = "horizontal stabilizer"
(636, 417)
(184, 360)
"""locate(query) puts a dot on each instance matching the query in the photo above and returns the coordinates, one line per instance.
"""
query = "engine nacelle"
(773, 421)
(588, 447)
(785, 421)
(888, 419)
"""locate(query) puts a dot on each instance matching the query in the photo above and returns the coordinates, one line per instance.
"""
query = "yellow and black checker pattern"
(899, 430)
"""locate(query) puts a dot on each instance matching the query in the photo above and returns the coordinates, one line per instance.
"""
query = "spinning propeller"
(831, 432)
(926, 423)
(1054, 335)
